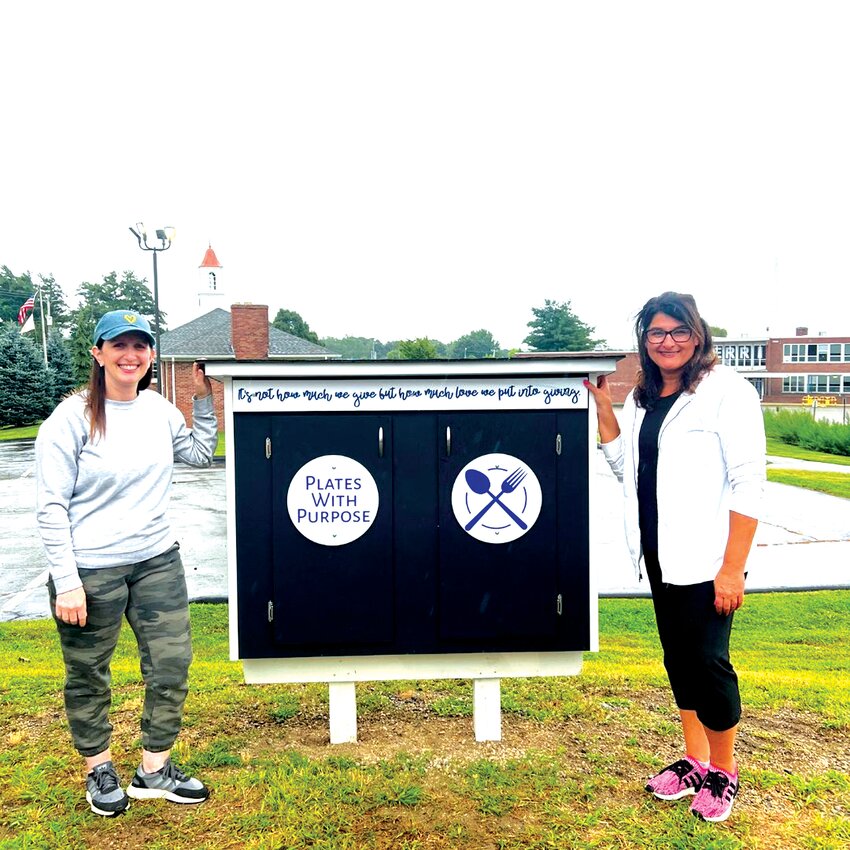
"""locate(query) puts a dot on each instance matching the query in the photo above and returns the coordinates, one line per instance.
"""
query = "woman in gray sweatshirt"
(104, 462)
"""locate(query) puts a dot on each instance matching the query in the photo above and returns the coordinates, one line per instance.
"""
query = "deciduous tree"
(477, 344)
(415, 349)
(290, 322)
(556, 328)
(114, 292)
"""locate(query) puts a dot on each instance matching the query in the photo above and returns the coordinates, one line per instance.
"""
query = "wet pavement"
(802, 542)
(197, 514)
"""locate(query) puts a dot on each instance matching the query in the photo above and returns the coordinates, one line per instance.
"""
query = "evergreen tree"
(25, 397)
(290, 322)
(556, 328)
(60, 368)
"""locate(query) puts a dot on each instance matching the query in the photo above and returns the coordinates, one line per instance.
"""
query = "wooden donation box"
(410, 520)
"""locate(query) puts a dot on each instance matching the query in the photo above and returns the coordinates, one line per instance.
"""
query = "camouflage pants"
(152, 595)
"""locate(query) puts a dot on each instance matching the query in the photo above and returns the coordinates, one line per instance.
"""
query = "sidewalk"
(802, 543)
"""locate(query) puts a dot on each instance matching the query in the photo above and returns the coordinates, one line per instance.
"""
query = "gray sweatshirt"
(103, 503)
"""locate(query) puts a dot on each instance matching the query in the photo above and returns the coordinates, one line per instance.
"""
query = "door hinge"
(559, 605)
(271, 610)
(268, 447)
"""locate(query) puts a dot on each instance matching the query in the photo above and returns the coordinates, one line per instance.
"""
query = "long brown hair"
(684, 308)
(96, 395)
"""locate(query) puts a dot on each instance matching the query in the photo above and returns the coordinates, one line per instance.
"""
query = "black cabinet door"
(332, 598)
(494, 594)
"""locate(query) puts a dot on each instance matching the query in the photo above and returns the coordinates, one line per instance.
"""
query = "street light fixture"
(165, 237)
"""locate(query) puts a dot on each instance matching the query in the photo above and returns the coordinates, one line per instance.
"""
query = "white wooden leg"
(342, 703)
(487, 709)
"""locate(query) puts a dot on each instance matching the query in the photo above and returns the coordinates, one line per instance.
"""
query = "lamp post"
(165, 237)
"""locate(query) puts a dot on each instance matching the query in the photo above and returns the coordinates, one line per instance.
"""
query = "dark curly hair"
(683, 308)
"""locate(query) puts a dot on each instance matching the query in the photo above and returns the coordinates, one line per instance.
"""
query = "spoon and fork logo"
(496, 498)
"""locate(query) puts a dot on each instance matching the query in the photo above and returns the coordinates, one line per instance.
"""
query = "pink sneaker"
(677, 780)
(715, 799)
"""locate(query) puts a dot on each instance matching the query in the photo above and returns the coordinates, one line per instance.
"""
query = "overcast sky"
(400, 169)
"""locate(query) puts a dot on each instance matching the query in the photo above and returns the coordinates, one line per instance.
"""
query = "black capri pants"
(695, 640)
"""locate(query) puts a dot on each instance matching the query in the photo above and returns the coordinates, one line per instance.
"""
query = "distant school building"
(803, 371)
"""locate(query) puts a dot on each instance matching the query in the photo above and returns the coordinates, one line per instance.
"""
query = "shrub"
(799, 429)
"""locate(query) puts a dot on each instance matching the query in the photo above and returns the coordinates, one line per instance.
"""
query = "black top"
(648, 470)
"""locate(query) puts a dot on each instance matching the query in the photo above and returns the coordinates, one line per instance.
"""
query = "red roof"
(210, 260)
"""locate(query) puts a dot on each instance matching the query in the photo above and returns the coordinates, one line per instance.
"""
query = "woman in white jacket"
(691, 456)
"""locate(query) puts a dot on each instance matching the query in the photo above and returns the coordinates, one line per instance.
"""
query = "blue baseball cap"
(118, 322)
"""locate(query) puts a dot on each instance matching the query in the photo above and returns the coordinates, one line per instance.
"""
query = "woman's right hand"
(71, 607)
(609, 428)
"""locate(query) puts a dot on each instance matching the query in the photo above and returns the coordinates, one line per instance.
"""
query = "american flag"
(26, 308)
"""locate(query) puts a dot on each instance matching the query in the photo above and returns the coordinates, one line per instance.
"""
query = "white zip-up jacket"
(711, 460)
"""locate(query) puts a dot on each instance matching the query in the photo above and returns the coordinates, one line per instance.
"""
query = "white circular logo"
(332, 500)
(496, 498)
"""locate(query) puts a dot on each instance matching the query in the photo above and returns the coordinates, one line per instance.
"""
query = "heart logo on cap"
(129, 318)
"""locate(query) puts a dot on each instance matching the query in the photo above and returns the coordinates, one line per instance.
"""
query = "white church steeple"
(211, 292)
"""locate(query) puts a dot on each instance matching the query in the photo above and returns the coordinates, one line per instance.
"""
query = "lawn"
(568, 772)
(831, 483)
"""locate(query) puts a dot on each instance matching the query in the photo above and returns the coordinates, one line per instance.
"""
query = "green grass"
(29, 432)
(832, 483)
(568, 772)
(26, 432)
(780, 449)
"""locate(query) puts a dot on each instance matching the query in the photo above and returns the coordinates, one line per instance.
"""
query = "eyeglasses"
(656, 335)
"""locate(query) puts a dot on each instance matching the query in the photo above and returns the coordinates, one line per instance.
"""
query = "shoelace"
(106, 779)
(716, 783)
(171, 771)
(681, 768)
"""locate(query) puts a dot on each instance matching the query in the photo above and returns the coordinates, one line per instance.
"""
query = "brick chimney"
(802, 331)
(249, 327)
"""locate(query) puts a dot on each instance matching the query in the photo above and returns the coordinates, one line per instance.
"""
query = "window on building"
(794, 384)
(823, 384)
(823, 352)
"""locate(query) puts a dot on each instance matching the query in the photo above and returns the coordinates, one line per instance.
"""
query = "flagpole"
(43, 321)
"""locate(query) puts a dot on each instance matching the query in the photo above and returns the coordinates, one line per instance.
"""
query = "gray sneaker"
(169, 782)
(104, 792)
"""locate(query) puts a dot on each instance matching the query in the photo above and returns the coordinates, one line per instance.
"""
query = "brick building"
(244, 333)
(786, 371)
(792, 371)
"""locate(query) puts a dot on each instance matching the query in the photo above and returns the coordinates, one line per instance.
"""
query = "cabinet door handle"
(448, 441)
(380, 442)
(268, 447)
(558, 444)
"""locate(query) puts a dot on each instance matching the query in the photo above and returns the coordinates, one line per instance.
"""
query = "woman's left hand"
(200, 381)
(728, 591)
